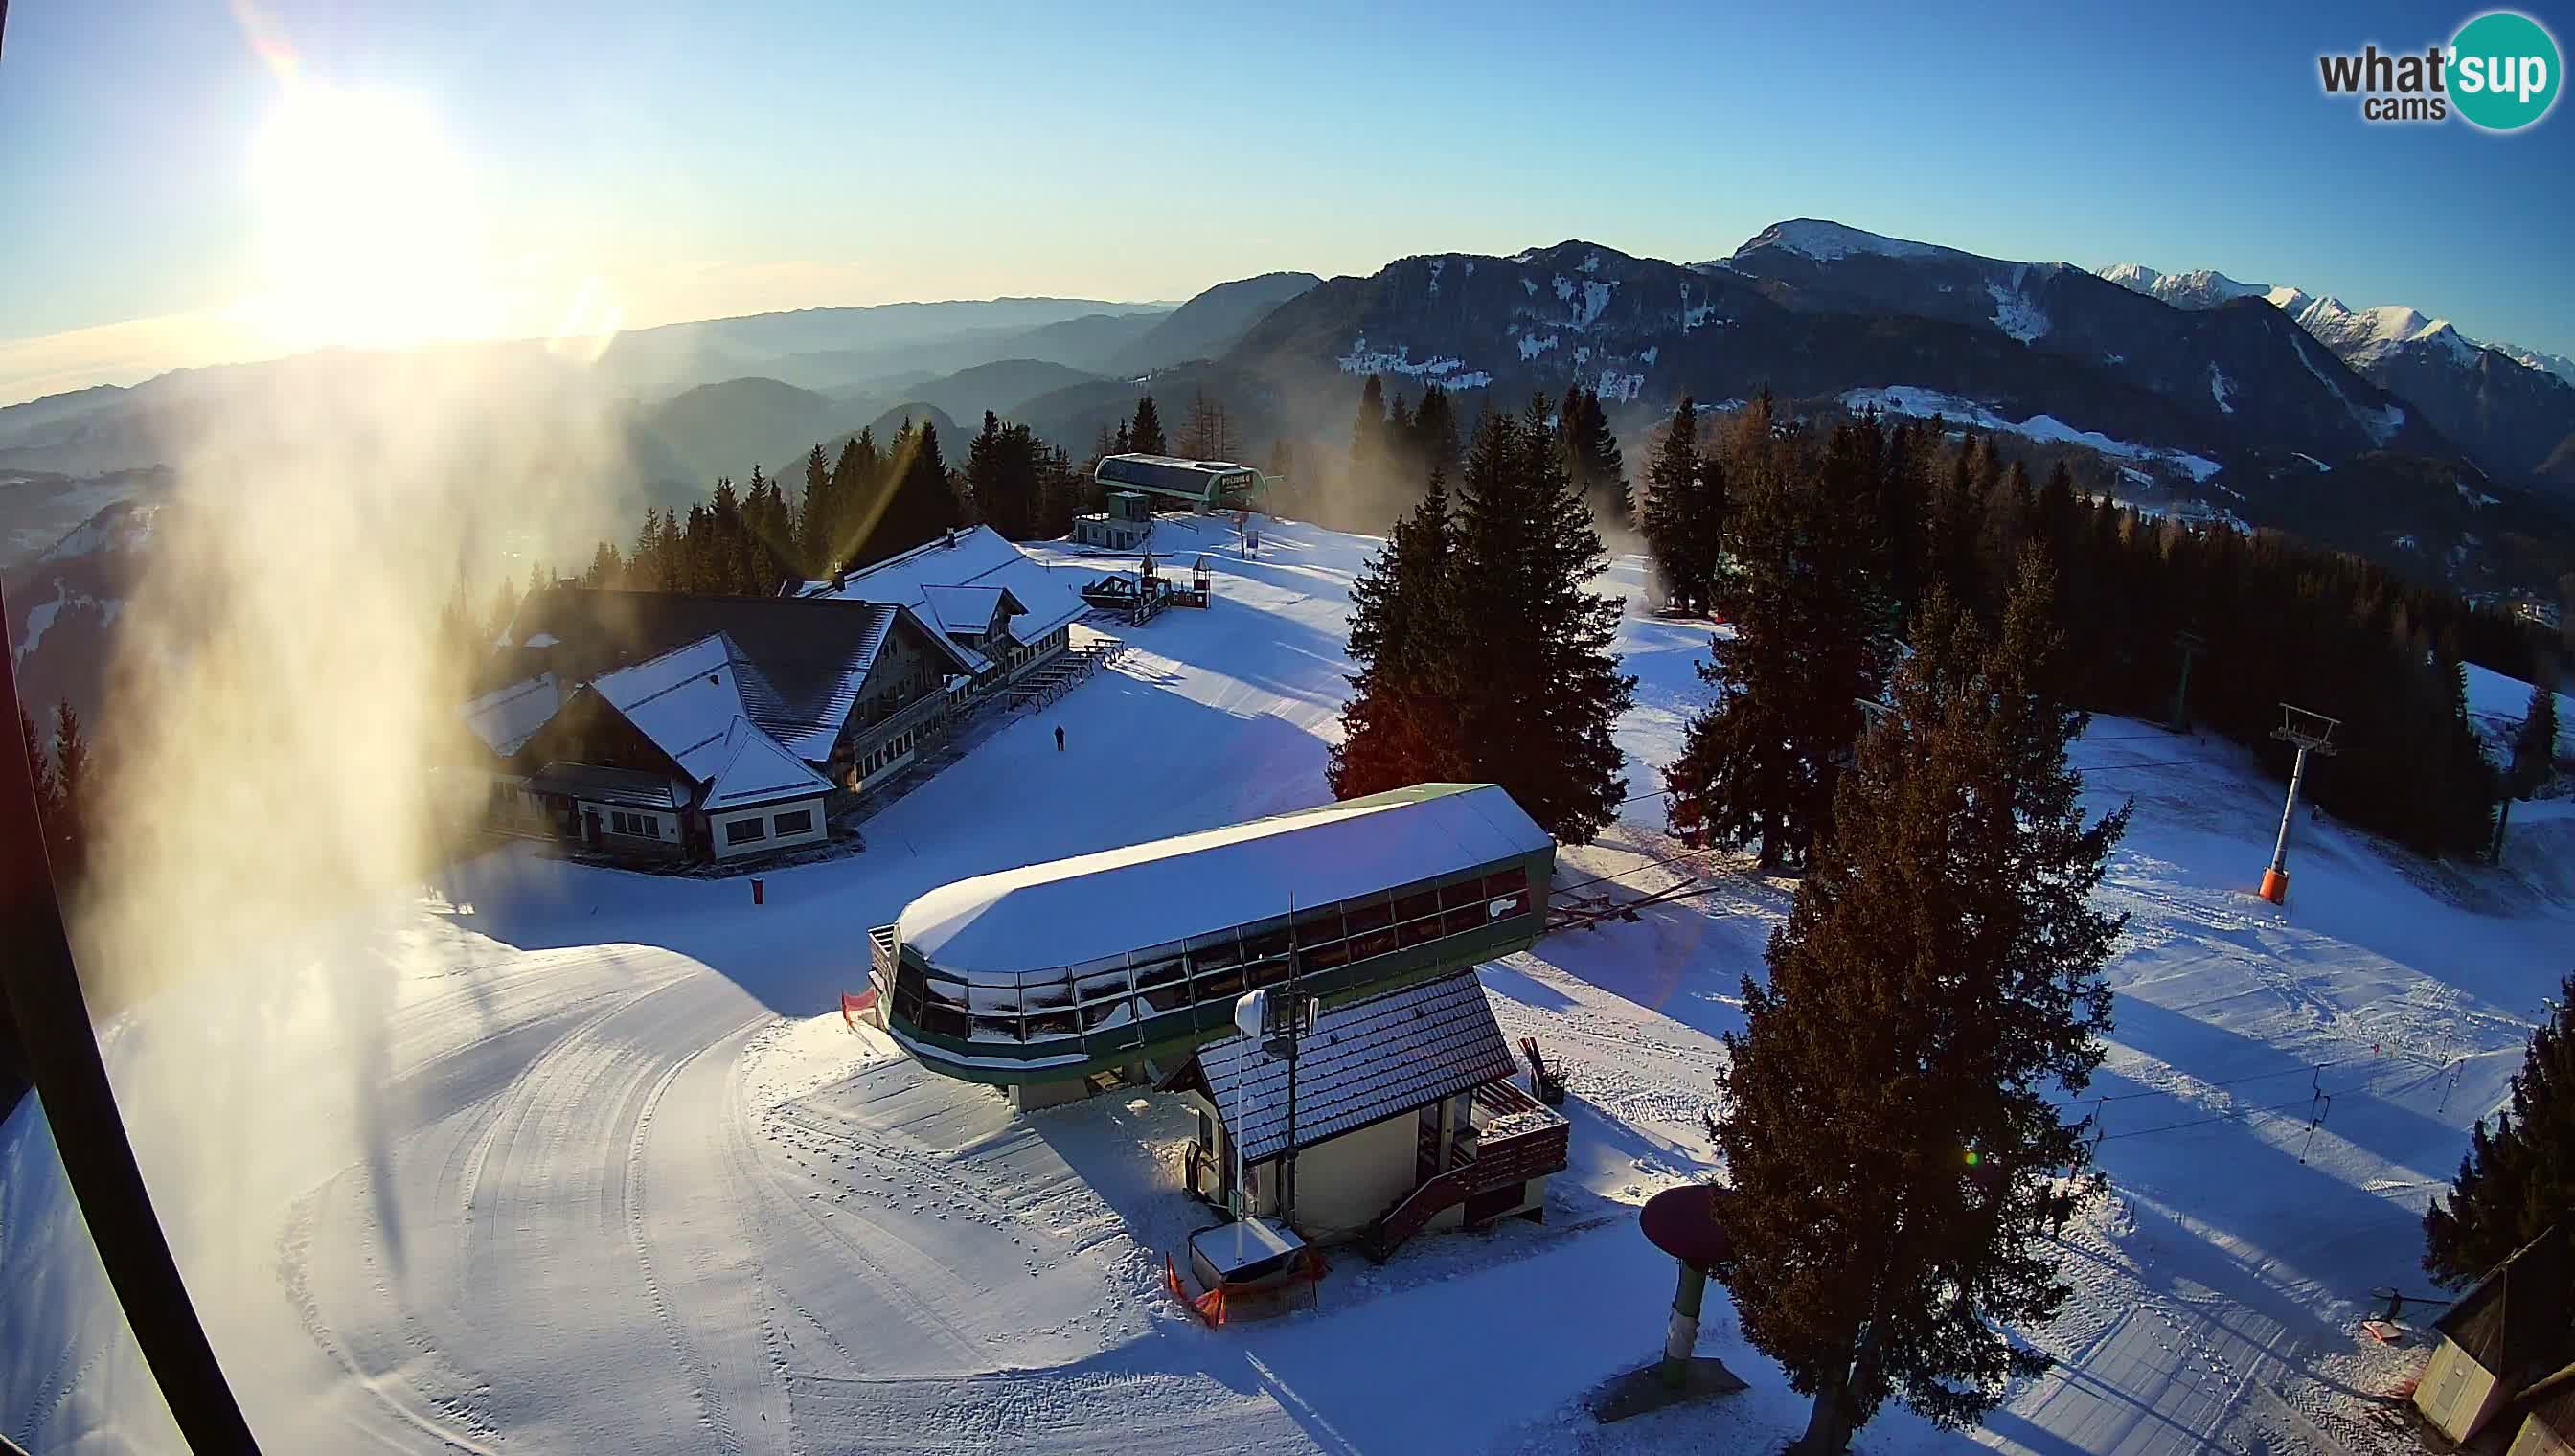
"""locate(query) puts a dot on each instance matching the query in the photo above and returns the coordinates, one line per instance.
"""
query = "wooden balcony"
(1516, 1137)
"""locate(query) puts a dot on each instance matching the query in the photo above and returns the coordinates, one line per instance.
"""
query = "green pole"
(1683, 1334)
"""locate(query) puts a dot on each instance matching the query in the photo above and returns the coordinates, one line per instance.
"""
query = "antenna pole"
(1287, 1169)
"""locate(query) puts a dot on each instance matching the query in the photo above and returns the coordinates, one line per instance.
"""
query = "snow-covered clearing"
(1922, 403)
(594, 1168)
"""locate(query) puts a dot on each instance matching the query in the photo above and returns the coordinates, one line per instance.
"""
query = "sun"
(370, 233)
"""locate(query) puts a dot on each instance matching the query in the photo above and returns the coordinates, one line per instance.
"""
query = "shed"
(2503, 1337)
(2547, 1417)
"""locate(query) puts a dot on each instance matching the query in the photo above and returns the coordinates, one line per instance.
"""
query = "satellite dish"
(1250, 1012)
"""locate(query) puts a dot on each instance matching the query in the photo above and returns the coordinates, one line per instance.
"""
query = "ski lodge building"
(665, 726)
(1005, 613)
(1058, 978)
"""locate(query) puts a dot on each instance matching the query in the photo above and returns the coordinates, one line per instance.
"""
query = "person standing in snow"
(1058, 738)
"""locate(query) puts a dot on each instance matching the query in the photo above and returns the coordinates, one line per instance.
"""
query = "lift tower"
(2312, 733)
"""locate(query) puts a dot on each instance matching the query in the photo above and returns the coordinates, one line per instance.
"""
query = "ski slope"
(589, 1164)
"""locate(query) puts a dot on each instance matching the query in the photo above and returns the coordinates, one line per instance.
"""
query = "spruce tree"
(1369, 465)
(1537, 682)
(1593, 459)
(1064, 492)
(74, 794)
(606, 569)
(1002, 474)
(921, 506)
(2534, 744)
(49, 788)
(1436, 447)
(814, 515)
(1889, 1118)
(1680, 516)
(1811, 636)
(2518, 1179)
(1146, 436)
(1400, 726)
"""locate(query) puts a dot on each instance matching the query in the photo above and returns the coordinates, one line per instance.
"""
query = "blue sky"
(704, 159)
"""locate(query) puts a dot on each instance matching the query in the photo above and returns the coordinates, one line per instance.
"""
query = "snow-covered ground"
(593, 1167)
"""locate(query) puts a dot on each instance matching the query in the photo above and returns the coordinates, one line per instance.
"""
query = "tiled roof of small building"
(1363, 1063)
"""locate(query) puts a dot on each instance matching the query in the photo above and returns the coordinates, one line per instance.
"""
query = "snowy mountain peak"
(1826, 241)
(2203, 288)
(2556, 364)
(2349, 332)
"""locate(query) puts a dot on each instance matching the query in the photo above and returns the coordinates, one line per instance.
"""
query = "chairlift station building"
(1125, 964)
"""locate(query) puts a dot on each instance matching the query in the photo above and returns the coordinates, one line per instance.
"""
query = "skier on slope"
(1058, 738)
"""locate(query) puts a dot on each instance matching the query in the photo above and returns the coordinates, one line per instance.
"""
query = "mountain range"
(2381, 430)
(2512, 409)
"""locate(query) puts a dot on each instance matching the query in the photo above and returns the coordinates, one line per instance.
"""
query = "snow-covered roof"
(801, 662)
(685, 701)
(1247, 1243)
(1363, 1063)
(757, 771)
(963, 609)
(975, 556)
(506, 718)
(1065, 912)
(611, 786)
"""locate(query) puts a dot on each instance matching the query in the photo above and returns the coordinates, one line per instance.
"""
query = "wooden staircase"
(1498, 1163)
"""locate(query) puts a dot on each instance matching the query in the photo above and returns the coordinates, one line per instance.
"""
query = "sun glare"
(370, 232)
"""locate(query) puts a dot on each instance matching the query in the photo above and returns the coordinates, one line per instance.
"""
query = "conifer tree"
(1954, 528)
(1064, 492)
(1369, 465)
(2011, 509)
(1145, 437)
(921, 506)
(1537, 682)
(1002, 474)
(814, 515)
(1681, 516)
(1436, 447)
(1812, 636)
(73, 793)
(606, 569)
(1889, 1118)
(1593, 459)
(2534, 744)
(2518, 1179)
(505, 606)
(1400, 726)
(49, 788)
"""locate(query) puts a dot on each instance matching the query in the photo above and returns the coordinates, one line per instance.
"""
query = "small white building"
(1406, 1119)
